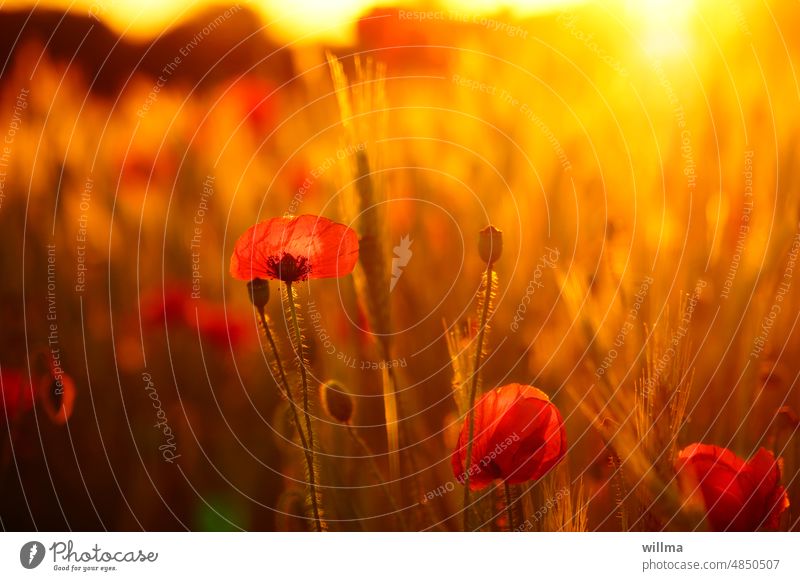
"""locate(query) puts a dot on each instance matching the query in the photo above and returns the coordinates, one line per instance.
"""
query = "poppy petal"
(518, 436)
(295, 249)
(738, 495)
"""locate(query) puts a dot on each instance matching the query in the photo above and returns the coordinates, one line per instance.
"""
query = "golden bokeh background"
(640, 157)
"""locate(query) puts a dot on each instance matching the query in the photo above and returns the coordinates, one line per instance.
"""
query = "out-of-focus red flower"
(738, 495)
(163, 306)
(140, 167)
(403, 43)
(16, 395)
(57, 393)
(292, 249)
(519, 436)
(256, 99)
(174, 306)
(223, 329)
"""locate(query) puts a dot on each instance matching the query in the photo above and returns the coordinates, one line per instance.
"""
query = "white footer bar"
(406, 557)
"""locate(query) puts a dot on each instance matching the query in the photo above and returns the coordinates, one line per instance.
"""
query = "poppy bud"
(450, 430)
(258, 291)
(290, 516)
(283, 424)
(338, 403)
(785, 424)
(490, 244)
(57, 395)
(787, 418)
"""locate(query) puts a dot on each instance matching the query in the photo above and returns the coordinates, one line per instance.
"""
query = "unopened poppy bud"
(56, 392)
(337, 402)
(451, 428)
(290, 516)
(490, 244)
(787, 419)
(258, 291)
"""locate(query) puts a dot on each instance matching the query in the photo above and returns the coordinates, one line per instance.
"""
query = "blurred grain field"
(642, 170)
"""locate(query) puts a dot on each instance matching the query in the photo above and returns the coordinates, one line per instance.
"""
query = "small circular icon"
(31, 554)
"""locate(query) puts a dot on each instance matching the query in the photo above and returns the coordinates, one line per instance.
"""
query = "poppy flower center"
(288, 268)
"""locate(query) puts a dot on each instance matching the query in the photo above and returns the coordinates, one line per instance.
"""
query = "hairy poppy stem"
(487, 298)
(286, 387)
(312, 476)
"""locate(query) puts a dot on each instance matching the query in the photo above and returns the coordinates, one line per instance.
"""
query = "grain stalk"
(362, 107)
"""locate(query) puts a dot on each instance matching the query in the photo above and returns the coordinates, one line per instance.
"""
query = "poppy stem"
(376, 472)
(6, 452)
(286, 387)
(300, 352)
(509, 506)
(487, 299)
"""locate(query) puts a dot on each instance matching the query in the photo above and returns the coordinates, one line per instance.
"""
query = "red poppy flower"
(519, 436)
(292, 249)
(15, 395)
(738, 495)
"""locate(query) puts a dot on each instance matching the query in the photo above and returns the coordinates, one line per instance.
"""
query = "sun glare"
(663, 25)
